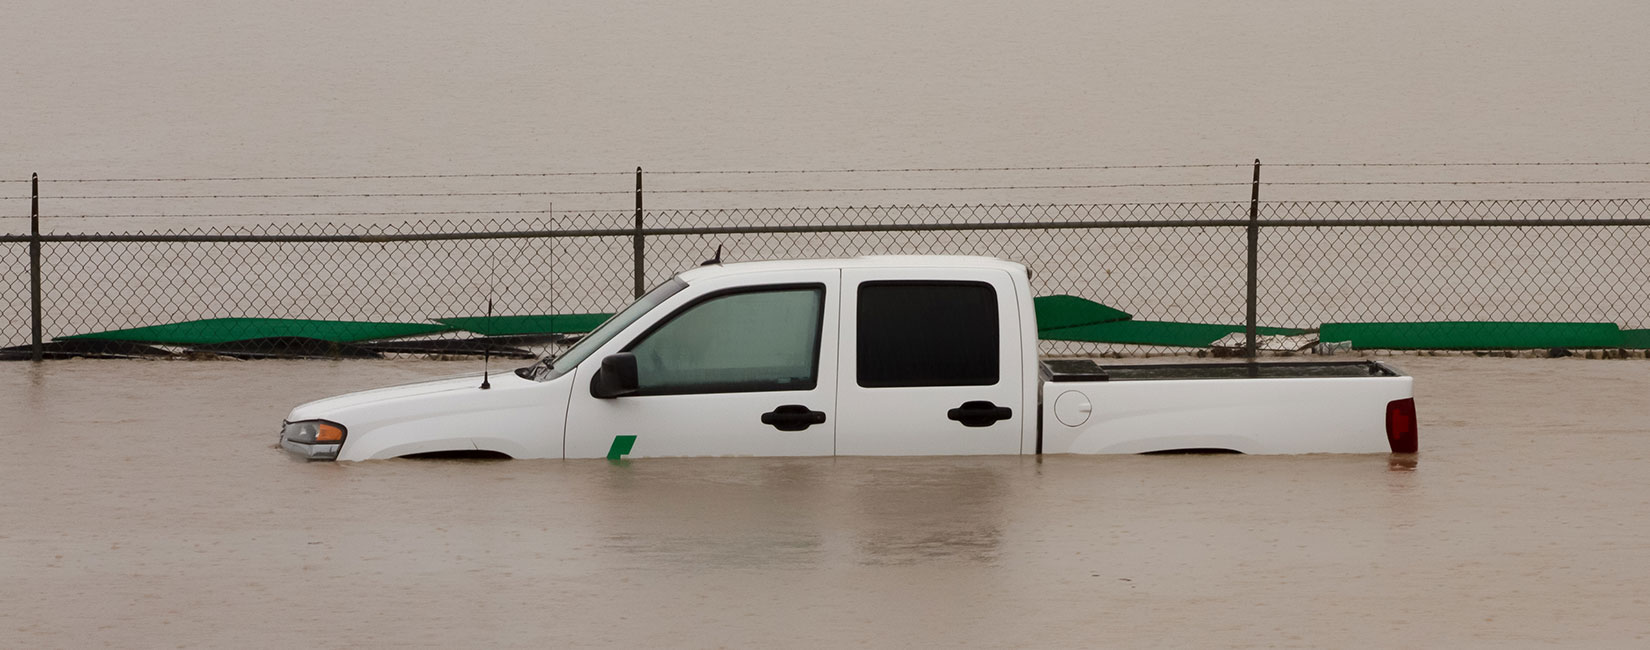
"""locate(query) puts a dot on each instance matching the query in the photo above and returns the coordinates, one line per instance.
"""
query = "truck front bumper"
(310, 452)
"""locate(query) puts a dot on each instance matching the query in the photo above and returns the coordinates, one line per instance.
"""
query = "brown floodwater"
(146, 505)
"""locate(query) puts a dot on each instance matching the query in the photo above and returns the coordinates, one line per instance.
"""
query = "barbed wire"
(863, 170)
(880, 170)
(1464, 164)
(288, 214)
(1127, 185)
(1356, 183)
(780, 190)
(783, 190)
(1121, 185)
(573, 212)
(870, 170)
(604, 192)
(842, 170)
(323, 196)
(206, 179)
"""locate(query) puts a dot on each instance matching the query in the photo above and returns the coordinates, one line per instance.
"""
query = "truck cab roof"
(868, 261)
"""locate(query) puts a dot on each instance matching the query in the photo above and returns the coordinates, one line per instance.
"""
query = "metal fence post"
(636, 239)
(1254, 245)
(36, 353)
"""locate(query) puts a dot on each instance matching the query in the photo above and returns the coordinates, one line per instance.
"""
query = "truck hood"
(322, 407)
(517, 417)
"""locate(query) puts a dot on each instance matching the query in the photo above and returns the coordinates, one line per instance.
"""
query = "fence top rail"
(368, 238)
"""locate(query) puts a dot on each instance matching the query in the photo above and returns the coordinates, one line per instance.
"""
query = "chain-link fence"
(1318, 262)
(1538, 261)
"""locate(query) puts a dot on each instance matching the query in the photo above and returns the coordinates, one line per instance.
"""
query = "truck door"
(930, 363)
(727, 369)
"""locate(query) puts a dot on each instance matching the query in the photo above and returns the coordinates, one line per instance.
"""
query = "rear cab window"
(927, 333)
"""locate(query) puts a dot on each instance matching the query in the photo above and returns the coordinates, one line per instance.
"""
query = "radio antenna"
(487, 348)
(487, 341)
(550, 279)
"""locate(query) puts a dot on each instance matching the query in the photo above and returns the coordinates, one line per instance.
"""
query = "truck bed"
(1071, 370)
(1288, 408)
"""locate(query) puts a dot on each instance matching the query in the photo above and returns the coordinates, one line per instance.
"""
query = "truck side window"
(927, 334)
(760, 340)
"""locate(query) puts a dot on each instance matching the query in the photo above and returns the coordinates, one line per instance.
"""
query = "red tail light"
(1401, 429)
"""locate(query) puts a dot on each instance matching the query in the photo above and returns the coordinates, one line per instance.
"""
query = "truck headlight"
(313, 439)
(311, 432)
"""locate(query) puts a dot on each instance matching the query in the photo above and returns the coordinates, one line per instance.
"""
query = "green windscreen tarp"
(1146, 332)
(1472, 335)
(1635, 339)
(1054, 312)
(536, 324)
(226, 330)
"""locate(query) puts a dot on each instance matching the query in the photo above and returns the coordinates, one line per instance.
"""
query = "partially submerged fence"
(1303, 263)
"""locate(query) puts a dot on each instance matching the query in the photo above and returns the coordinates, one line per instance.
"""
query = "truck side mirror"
(617, 377)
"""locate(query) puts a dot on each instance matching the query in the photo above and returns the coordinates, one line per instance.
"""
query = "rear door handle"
(793, 417)
(979, 413)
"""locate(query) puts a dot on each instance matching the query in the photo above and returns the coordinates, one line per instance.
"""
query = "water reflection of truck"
(909, 355)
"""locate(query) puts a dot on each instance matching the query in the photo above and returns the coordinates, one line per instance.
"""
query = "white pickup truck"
(876, 356)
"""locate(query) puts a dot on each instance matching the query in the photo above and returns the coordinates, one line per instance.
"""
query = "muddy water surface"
(145, 505)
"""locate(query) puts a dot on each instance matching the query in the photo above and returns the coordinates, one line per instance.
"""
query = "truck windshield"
(551, 368)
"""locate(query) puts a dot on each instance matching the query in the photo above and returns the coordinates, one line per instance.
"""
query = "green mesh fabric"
(1472, 335)
(1146, 332)
(1058, 311)
(225, 330)
(537, 324)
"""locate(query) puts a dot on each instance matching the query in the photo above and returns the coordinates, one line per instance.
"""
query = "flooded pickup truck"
(909, 355)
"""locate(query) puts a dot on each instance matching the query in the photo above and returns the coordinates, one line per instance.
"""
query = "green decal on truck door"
(621, 446)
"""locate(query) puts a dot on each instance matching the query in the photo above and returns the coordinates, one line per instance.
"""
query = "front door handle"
(793, 417)
(979, 413)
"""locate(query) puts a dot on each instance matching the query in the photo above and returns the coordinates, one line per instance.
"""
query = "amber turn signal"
(329, 432)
